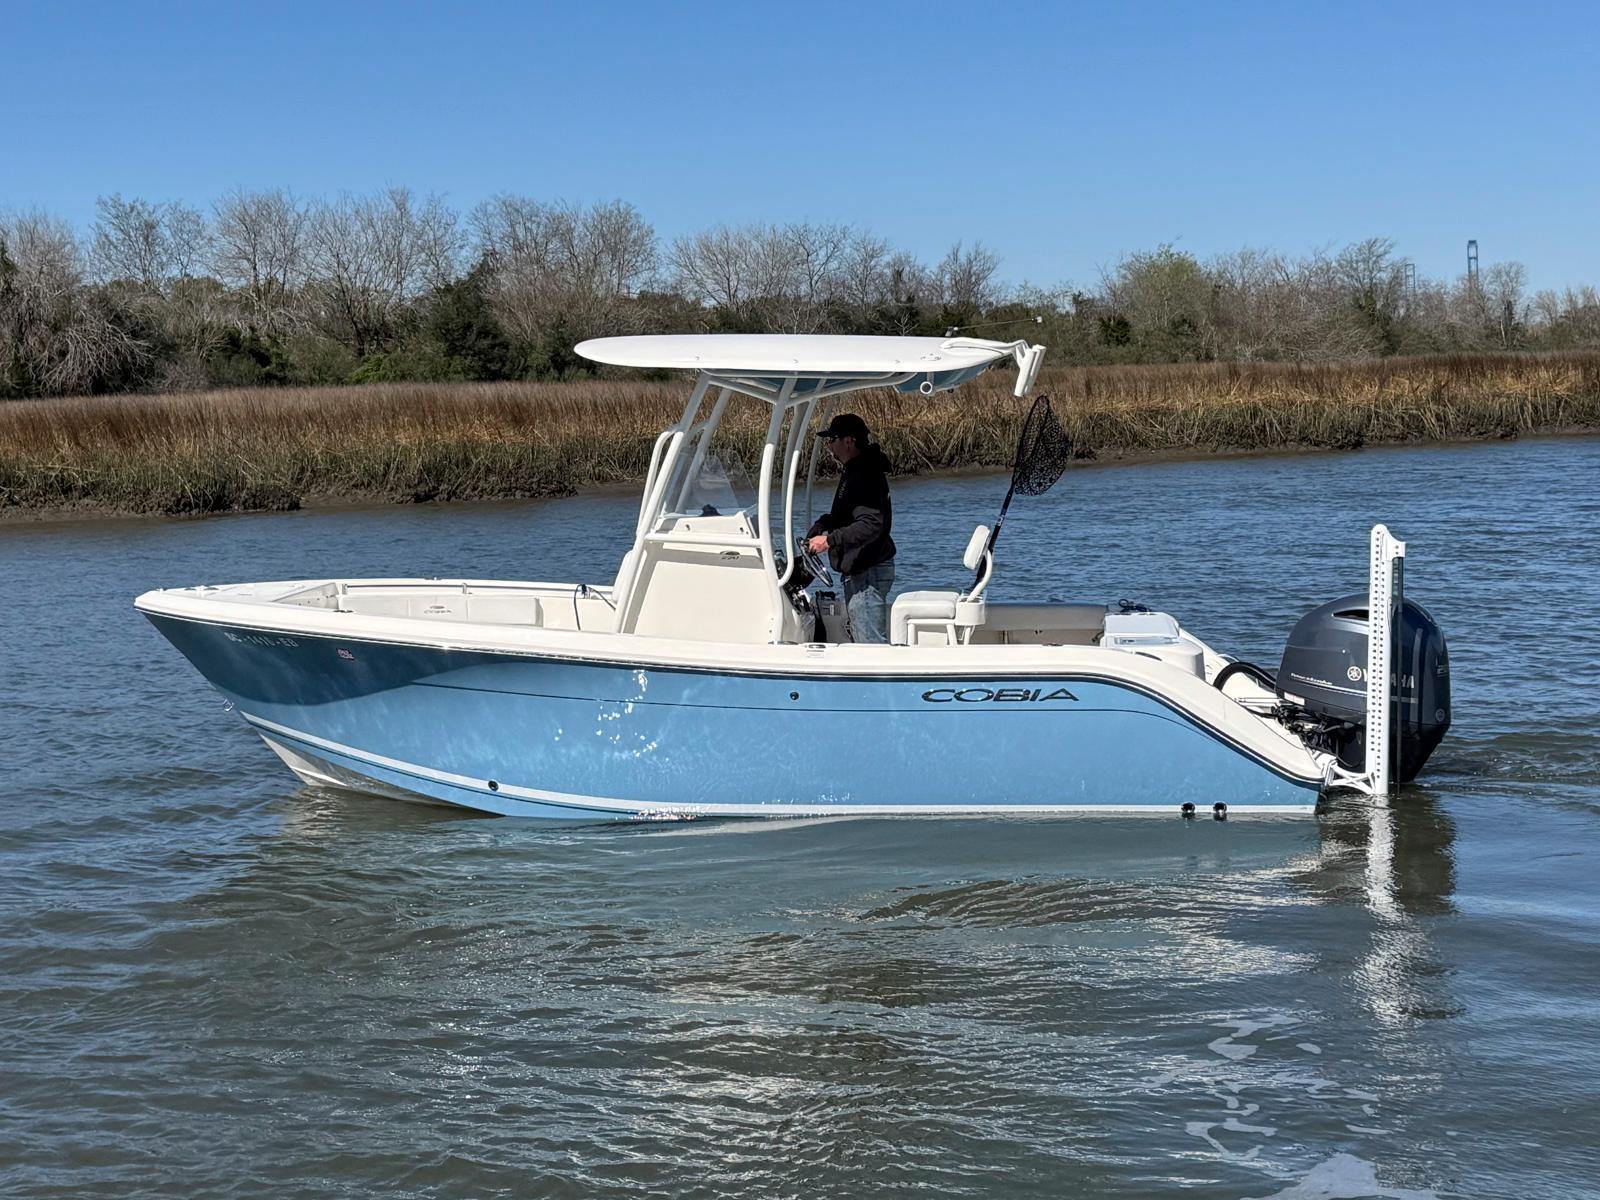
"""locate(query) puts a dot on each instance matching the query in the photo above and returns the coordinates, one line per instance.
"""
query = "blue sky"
(1060, 135)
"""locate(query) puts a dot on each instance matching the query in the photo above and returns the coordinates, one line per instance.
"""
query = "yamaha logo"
(1354, 674)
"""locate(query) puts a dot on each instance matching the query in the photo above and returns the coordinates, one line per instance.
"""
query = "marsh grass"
(275, 448)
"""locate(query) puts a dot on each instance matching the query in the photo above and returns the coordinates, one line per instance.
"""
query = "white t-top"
(808, 354)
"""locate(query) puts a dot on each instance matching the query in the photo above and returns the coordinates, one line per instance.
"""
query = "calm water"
(214, 982)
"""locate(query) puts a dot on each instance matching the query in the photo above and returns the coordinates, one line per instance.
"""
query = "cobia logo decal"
(982, 695)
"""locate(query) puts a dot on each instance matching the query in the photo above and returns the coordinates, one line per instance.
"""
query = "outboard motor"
(1324, 672)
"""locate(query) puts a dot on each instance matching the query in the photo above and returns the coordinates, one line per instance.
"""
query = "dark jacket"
(858, 523)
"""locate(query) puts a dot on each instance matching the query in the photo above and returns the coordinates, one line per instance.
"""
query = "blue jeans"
(866, 601)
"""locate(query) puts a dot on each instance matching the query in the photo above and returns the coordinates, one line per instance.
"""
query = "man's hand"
(819, 544)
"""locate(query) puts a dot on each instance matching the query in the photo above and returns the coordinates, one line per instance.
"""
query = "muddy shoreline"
(17, 514)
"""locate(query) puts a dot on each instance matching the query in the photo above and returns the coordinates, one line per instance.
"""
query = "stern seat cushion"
(1015, 614)
(1083, 620)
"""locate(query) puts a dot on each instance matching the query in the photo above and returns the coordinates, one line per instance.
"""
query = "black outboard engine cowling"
(1324, 671)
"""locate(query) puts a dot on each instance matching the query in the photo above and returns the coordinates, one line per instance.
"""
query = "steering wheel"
(818, 566)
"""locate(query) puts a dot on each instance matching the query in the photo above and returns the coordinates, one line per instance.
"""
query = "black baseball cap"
(846, 425)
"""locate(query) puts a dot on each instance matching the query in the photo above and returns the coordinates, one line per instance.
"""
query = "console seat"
(923, 618)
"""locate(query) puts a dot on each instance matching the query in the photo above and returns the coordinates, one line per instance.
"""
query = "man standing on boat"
(855, 531)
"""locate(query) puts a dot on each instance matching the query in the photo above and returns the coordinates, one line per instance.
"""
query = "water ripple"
(215, 983)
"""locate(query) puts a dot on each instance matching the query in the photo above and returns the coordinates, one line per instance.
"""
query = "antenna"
(955, 329)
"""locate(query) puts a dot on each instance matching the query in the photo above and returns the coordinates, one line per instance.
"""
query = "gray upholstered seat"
(920, 608)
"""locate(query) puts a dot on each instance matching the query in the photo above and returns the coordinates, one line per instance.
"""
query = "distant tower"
(1472, 261)
(1411, 276)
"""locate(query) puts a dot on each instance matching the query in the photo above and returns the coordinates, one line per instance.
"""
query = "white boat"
(706, 680)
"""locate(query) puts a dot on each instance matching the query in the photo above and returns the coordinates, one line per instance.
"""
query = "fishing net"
(1043, 451)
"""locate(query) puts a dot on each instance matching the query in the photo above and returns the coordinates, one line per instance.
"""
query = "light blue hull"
(530, 736)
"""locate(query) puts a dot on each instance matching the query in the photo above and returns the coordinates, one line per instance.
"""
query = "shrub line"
(269, 449)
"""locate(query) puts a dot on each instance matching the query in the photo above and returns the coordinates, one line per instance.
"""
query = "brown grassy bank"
(271, 449)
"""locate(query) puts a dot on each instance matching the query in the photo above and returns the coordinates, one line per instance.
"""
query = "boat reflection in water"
(1405, 852)
(1223, 899)
(1090, 992)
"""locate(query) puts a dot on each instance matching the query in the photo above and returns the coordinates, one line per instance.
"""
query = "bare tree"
(798, 278)
(1569, 318)
(145, 244)
(350, 271)
(370, 256)
(966, 278)
(440, 242)
(259, 248)
(147, 258)
(56, 335)
(188, 241)
(912, 288)
(515, 232)
(1579, 320)
(562, 267)
(1369, 267)
(130, 243)
(817, 259)
(724, 268)
(862, 280)
(1375, 284)
(608, 250)
(1503, 286)
(1255, 304)
(613, 249)
(317, 285)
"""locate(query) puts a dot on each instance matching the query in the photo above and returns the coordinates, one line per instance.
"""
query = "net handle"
(1019, 460)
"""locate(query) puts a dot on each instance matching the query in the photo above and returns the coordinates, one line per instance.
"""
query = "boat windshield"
(720, 485)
